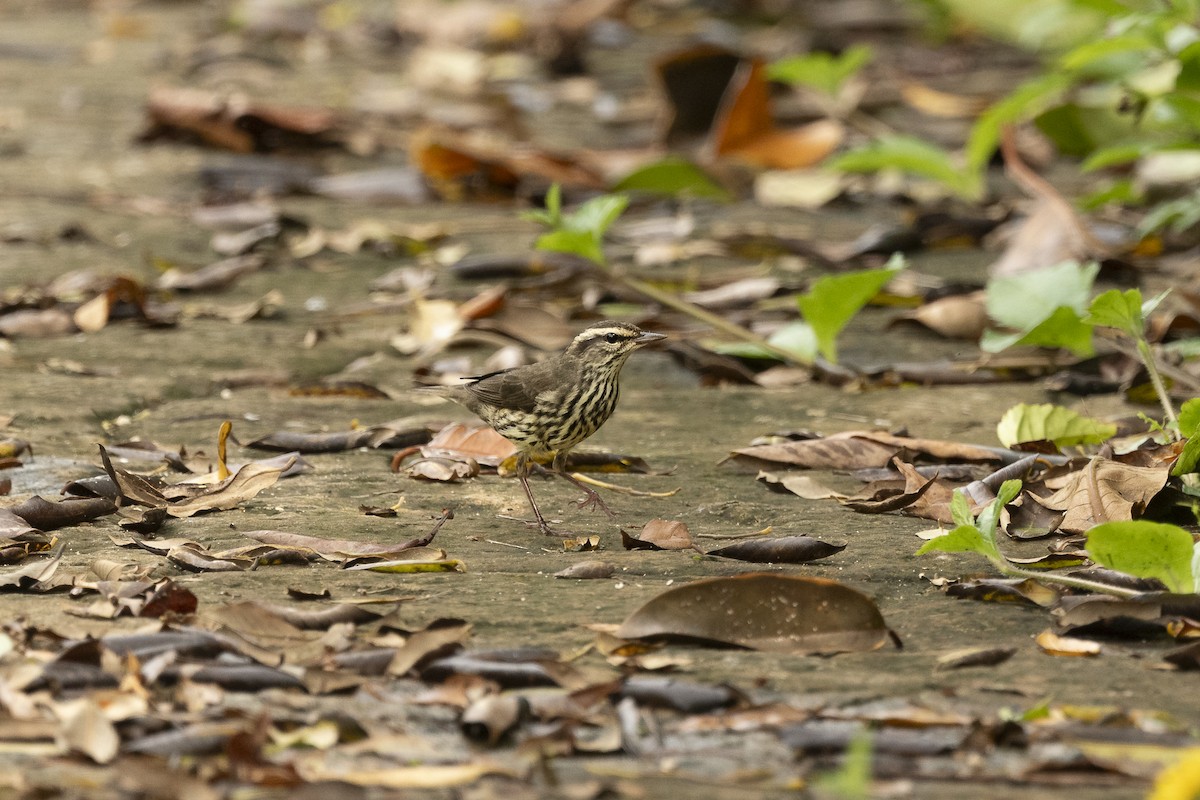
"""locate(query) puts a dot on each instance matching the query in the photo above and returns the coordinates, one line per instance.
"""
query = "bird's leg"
(542, 524)
(593, 499)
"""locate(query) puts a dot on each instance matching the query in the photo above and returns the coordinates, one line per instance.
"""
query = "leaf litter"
(210, 696)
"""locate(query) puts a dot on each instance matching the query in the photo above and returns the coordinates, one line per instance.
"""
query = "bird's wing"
(517, 389)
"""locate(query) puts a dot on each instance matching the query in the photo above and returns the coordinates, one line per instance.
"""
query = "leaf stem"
(1147, 356)
(1011, 570)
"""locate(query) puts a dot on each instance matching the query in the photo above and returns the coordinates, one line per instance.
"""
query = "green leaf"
(1025, 300)
(597, 215)
(551, 216)
(989, 518)
(1145, 550)
(1189, 417)
(963, 539)
(672, 177)
(1120, 310)
(825, 72)
(1048, 422)
(1063, 328)
(1189, 460)
(1184, 348)
(798, 338)
(580, 232)
(914, 156)
(1026, 102)
(833, 300)
(1114, 155)
(1043, 308)
(960, 509)
(580, 243)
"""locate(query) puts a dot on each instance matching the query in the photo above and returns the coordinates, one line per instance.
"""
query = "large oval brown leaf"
(763, 611)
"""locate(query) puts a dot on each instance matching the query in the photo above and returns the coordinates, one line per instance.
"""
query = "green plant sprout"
(1049, 308)
(1139, 548)
(1126, 313)
(825, 72)
(1121, 83)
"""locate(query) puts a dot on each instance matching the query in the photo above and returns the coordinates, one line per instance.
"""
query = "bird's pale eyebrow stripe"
(588, 338)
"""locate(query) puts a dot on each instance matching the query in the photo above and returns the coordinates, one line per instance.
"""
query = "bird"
(548, 407)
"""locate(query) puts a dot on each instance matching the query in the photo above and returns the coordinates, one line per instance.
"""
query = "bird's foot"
(593, 500)
(542, 525)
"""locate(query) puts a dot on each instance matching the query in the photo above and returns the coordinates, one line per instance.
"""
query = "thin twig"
(506, 544)
(579, 476)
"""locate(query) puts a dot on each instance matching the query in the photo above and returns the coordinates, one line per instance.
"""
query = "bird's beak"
(647, 338)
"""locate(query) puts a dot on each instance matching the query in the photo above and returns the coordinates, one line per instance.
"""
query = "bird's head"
(607, 344)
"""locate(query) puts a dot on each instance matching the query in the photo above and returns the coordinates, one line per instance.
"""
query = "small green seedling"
(581, 232)
(1139, 548)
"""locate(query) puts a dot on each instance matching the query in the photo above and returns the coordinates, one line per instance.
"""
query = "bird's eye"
(612, 338)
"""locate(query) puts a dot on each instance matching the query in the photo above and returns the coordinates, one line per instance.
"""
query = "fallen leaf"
(1104, 491)
(781, 550)
(763, 611)
(661, 534)
(1055, 645)
(587, 570)
(975, 657)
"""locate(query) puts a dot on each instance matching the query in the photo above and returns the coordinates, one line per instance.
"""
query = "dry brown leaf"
(1104, 491)
(763, 611)
(461, 441)
(667, 534)
(960, 316)
(85, 729)
(1051, 233)
(744, 128)
(859, 450)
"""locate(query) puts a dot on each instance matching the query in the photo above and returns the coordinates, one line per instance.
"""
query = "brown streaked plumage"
(547, 408)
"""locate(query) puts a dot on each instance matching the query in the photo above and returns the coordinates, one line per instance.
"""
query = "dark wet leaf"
(168, 597)
(781, 550)
(145, 522)
(687, 697)
(975, 657)
(200, 739)
(999, 590)
(241, 677)
(1184, 658)
(335, 442)
(765, 612)
(510, 669)
(47, 516)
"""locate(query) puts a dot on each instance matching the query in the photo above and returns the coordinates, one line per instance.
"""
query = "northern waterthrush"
(547, 408)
